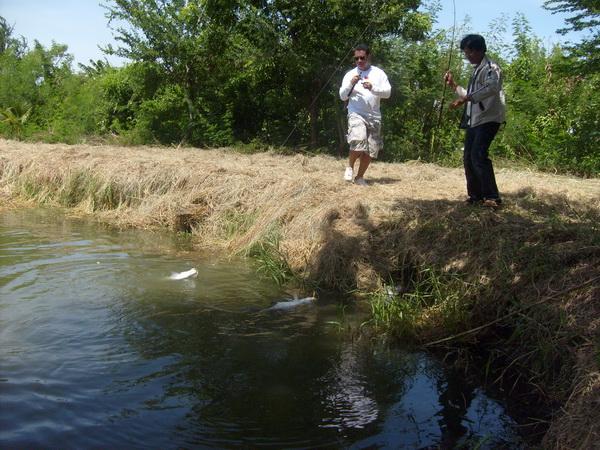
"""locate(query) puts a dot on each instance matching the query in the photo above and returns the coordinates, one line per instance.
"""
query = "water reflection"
(100, 348)
(347, 397)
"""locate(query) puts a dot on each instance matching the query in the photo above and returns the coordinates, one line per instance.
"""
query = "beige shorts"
(364, 135)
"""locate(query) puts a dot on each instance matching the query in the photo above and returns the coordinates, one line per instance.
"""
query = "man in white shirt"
(363, 88)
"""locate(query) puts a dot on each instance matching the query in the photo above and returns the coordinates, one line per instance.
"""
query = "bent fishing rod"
(449, 63)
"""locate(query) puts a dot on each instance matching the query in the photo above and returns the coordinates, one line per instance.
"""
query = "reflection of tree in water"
(455, 399)
(468, 417)
(359, 388)
(265, 378)
(347, 398)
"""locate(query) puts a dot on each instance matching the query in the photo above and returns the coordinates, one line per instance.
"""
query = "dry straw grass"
(407, 228)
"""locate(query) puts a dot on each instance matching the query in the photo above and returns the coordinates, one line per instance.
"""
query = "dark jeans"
(481, 182)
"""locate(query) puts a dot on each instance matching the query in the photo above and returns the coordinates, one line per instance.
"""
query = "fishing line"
(342, 62)
(449, 62)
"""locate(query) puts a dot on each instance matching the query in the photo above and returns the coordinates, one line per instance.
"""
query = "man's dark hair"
(362, 48)
(473, 42)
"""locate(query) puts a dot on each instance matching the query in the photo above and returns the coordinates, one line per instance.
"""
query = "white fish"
(393, 291)
(192, 273)
(293, 303)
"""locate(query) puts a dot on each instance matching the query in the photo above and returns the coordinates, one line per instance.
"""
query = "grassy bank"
(520, 285)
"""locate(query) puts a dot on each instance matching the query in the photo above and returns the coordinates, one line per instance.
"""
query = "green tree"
(586, 17)
(14, 118)
(33, 76)
(271, 59)
(308, 42)
(59, 105)
(551, 115)
(176, 42)
(10, 42)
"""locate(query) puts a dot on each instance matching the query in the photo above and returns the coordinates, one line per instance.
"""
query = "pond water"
(100, 348)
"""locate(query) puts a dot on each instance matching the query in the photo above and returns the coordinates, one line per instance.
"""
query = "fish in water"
(293, 303)
(393, 291)
(192, 273)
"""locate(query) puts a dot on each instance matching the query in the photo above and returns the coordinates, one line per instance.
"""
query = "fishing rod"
(441, 102)
(449, 63)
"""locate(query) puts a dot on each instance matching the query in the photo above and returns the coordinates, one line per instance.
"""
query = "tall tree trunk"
(342, 126)
(313, 112)
(191, 117)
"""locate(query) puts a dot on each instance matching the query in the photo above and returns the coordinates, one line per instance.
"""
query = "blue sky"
(82, 26)
(482, 12)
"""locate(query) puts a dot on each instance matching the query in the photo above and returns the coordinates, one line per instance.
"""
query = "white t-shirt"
(364, 101)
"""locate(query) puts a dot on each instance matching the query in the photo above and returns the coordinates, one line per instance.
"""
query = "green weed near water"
(236, 222)
(31, 190)
(107, 197)
(76, 189)
(40, 188)
(432, 296)
(85, 187)
(395, 314)
(271, 262)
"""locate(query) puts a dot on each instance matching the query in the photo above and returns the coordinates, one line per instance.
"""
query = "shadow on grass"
(532, 269)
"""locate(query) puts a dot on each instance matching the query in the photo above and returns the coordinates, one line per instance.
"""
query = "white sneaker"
(348, 174)
(361, 182)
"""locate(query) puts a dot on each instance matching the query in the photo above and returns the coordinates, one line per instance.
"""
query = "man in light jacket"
(485, 111)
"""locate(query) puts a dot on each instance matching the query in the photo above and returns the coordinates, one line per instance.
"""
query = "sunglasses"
(360, 58)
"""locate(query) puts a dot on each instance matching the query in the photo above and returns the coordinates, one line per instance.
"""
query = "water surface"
(99, 348)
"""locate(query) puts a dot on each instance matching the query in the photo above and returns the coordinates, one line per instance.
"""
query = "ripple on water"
(99, 348)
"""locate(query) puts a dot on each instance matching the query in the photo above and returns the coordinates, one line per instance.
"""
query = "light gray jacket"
(489, 103)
